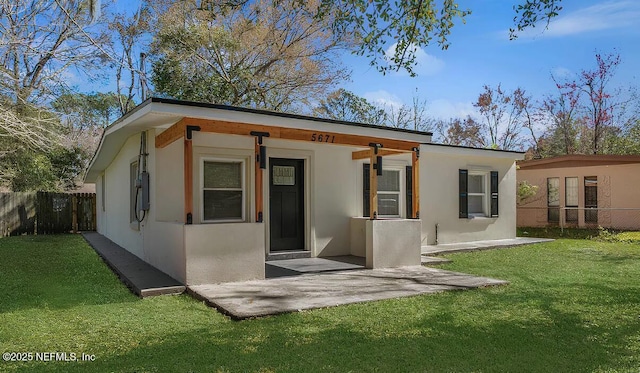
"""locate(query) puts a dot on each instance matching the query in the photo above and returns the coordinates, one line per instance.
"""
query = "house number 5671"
(319, 137)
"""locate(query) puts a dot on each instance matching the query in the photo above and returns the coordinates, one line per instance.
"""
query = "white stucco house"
(207, 193)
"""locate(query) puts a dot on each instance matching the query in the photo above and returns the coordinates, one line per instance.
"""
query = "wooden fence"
(46, 213)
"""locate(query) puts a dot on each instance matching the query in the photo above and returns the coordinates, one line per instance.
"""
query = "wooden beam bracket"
(417, 151)
(259, 135)
(375, 146)
(378, 165)
(189, 130)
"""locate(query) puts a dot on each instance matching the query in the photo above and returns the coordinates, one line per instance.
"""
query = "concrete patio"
(242, 300)
(304, 283)
(300, 266)
(428, 250)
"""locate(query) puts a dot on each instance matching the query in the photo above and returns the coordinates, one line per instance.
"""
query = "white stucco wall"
(158, 243)
(439, 194)
(168, 183)
(392, 243)
(227, 252)
(164, 248)
(358, 231)
(332, 180)
(114, 221)
(101, 224)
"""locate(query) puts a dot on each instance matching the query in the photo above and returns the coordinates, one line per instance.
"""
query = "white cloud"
(445, 109)
(383, 99)
(426, 64)
(438, 109)
(560, 72)
(603, 16)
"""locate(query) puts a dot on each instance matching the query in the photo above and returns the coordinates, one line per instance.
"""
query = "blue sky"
(481, 53)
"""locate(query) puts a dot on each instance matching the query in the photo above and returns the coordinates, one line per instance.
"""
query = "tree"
(412, 25)
(530, 13)
(559, 115)
(276, 57)
(414, 116)
(625, 141)
(41, 43)
(35, 131)
(502, 116)
(83, 118)
(461, 132)
(41, 40)
(600, 109)
(55, 170)
(346, 105)
(525, 192)
(129, 69)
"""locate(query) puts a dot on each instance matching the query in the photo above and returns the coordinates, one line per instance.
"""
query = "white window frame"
(389, 165)
(243, 188)
(485, 194)
(400, 193)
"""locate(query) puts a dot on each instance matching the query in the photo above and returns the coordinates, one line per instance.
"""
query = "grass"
(556, 232)
(572, 306)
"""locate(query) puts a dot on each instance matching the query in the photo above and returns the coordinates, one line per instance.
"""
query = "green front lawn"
(572, 305)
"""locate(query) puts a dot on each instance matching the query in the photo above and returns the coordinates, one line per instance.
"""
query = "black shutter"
(464, 200)
(365, 190)
(494, 194)
(409, 191)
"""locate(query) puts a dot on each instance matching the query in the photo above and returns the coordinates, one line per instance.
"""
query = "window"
(553, 200)
(571, 199)
(390, 191)
(133, 192)
(477, 196)
(478, 193)
(591, 199)
(223, 190)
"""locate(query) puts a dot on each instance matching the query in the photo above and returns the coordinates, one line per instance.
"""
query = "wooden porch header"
(178, 130)
(383, 147)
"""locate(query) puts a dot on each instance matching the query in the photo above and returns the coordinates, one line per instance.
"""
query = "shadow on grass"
(55, 272)
(563, 342)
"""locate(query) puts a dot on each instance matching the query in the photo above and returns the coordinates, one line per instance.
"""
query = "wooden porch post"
(258, 175)
(373, 185)
(415, 183)
(188, 180)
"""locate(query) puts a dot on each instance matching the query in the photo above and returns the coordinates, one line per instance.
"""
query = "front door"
(286, 204)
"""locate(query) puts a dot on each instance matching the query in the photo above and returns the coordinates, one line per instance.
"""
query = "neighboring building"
(220, 189)
(582, 191)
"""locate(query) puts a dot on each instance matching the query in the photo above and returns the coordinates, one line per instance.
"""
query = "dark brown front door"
(286, 204)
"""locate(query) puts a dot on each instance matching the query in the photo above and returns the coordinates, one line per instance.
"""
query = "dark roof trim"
(587, 158)
(472, 148)
(273, 113)
(129, 113)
